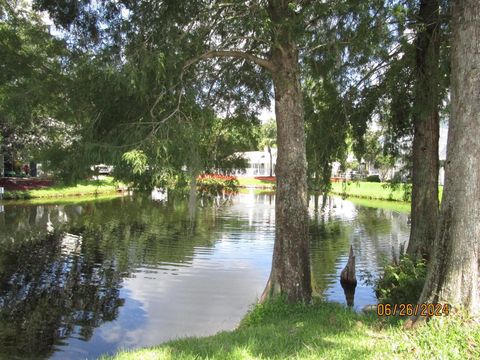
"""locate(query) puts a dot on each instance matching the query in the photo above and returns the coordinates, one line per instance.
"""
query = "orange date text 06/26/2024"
(413, 309)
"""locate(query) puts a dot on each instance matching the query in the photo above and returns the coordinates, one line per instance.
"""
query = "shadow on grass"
(279, 331)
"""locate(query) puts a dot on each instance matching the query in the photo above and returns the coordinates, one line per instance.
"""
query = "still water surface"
(78, 281)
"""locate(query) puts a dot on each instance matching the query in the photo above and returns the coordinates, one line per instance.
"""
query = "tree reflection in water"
(60, 286)
(65, 284)
(49, 292)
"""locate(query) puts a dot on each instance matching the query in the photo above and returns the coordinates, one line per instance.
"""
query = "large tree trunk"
(453, 273)
(290, 273)
(426, 134)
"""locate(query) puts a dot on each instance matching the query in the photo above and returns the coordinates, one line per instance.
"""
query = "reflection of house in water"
(71, 243)
(2, 215)
(159, 194)
(259, 207)
(20, 222)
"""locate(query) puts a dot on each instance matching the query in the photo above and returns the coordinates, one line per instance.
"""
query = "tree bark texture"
(290, 273)
(424, 206)
(453, 273)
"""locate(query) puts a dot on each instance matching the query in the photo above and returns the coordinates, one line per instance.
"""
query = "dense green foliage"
(372, 178)
(211, 185)
(33, 115)
(402, 282)
(136, 93)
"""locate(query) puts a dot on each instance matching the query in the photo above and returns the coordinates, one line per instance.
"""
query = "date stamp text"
(413, 309)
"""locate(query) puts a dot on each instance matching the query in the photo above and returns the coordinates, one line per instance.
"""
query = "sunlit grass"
(253, 182)
(84, 187)
(368, 190)
(400, 206)
(323, 331)
(67, 200)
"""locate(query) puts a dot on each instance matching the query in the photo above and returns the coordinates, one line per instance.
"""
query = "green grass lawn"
(252, 182)
(70, 199)
(367, 190)
(85, 187)
(400, 206)
(324, 331)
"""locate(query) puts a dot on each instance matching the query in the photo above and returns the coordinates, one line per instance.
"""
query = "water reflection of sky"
(221, 271)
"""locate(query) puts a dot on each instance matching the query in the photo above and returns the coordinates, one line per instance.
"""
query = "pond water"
(78, 281)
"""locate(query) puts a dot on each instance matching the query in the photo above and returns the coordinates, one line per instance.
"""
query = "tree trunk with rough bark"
(290, 273)
(426, 133)
(453, 273)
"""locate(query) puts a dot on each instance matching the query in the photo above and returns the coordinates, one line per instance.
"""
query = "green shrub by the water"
(215, 184)
(401, 283)
(372, 178)
(16, 195)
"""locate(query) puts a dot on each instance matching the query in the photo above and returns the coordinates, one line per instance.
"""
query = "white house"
(258, 163)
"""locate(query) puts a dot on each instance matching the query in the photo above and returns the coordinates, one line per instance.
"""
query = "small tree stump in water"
(348, 279)
(347, 276)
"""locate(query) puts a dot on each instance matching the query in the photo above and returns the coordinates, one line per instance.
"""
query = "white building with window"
(259, 163)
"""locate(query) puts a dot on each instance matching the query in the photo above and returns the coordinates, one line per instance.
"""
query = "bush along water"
(401, 282)
(212, 185)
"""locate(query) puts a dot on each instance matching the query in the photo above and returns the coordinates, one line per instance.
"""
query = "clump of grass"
(444, 337)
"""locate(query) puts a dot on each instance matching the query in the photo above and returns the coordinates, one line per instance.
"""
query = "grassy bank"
(365, 190)
(256, 183)
(400, 206)
(67, 200)
(86, 187)
(324, 331)
(368, 190)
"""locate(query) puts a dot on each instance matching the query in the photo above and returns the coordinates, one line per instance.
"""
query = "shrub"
(372, 178)
(401, 282)
(215, 184)
(16, 195)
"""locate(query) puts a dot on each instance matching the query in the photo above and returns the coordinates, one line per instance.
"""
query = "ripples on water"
(131, 272)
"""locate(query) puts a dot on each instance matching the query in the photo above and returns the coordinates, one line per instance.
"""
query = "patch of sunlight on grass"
(276, 330)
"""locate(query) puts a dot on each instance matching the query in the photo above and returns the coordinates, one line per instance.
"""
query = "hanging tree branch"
(266, 64)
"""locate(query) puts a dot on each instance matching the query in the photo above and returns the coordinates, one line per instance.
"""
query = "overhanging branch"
(266, 64)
